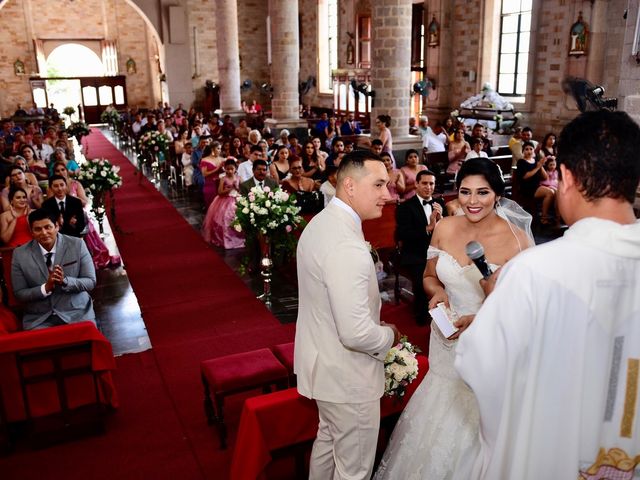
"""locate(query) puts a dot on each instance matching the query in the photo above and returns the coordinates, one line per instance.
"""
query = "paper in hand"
(444, 318)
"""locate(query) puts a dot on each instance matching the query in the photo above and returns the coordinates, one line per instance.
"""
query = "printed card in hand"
(444, 318)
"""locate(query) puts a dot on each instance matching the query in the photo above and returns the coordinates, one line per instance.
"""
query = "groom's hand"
(396, 332)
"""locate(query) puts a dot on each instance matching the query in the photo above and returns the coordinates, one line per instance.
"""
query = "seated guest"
(376, 146)
(478, 131)
(187, 166)
(68, 209)
(328, 188)
(529, 174)
(411, 168)
(294, 146)
(331, 132)
(245, 170)
(348, 146)
(14, 224)
(312, 164)
(476, 149)
(259, 178)
(297, 182)
(396, 179)
(350, 126)
(51, 275)
(36, 166)
(458, 150)
(242, 131)
(17, 179)
(317, 143)
(279, 168)
(60, 155)
(337, 147)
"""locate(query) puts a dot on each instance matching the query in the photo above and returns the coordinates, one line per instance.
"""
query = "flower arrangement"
(400, 368)
(99, 175)
(110, 116)
(153, 142)
(68, 111)
(78, 130)
(266, 213)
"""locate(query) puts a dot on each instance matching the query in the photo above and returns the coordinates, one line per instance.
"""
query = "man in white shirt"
(476, 149)
(245, 170)
(43, 150)
(553, 355)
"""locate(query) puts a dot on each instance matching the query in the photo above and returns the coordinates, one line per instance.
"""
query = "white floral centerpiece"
(269, 215)
(400, 368)
(99, 176)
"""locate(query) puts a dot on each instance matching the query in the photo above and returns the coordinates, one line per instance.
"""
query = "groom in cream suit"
(340, 345)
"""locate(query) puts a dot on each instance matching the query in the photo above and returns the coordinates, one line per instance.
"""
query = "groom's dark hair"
(354, 161)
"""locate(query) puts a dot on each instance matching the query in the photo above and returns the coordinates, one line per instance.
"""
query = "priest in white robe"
(553, 356)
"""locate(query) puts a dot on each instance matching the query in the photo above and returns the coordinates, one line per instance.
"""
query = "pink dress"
(97, 248)
(392, 186)
(410, 180)
(217, 228)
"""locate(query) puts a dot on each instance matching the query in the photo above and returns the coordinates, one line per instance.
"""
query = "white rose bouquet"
(400, 368)
(153, 142)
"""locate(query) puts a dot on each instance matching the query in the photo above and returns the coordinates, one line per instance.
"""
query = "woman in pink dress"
(211, 167)
(97, 248)
(410, 170)
(396, 179)
(216, 228)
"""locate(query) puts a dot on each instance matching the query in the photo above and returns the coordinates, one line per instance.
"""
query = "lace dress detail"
(438, 430)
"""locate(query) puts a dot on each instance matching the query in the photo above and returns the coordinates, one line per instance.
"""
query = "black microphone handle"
(482, 265)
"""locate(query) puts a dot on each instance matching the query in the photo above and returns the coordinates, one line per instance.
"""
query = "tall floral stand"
(266, 266)
(99, 210)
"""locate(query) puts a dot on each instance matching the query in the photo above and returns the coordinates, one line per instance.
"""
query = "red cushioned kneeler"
(284, 353)
(237, 373)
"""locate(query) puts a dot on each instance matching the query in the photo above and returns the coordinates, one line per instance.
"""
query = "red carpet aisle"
(195, 308)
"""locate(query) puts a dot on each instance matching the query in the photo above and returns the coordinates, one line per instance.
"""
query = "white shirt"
(44, 151)
(433, 142)
(53, 262)
(245, 170)
(328, 190)
(427, 208)
(551, 355)
(474, 154)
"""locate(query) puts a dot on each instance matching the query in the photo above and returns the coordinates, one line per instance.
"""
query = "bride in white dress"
(438, 429)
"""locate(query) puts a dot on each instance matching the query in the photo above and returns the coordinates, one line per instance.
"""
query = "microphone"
(476, 253)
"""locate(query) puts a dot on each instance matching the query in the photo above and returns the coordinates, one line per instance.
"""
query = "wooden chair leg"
(222, 427)
(208, 404)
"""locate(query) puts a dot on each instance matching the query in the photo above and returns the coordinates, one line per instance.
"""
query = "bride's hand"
(439, 297)
(462, 324)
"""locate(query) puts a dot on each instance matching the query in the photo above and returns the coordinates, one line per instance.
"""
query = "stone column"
(285, 65)
(228, 55)
(391, 70)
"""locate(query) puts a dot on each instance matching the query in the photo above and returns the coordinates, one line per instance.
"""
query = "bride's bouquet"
(400, 368)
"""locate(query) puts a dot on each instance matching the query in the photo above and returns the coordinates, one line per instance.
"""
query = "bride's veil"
(514, 214)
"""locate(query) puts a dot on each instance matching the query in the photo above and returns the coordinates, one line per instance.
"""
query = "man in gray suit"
(340, 344)
(51, 275)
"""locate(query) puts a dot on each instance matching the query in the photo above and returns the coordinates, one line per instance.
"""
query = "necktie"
(61, 204)
(48, 260)
(261, 184)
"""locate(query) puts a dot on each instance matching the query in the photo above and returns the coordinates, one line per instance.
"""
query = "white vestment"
(552, 357)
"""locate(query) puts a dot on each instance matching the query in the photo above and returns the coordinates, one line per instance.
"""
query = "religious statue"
(433, 32)
(579, 36)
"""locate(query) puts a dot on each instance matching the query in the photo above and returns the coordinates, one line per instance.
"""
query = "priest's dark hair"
(601, 151)
(485, 168)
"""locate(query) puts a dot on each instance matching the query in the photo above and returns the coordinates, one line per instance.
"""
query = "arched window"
(515, 36)
(74, 60)
(327, 43)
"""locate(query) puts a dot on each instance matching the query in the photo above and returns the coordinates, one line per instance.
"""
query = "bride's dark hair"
(486, 168)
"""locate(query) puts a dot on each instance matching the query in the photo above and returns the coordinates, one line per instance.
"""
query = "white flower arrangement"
(99, 175)
(400, 368)
(153, 142)
(266, 211)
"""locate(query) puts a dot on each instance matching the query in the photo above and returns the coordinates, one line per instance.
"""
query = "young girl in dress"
(222, 211)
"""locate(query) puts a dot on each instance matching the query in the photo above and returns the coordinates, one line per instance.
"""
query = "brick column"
(228, 55)
(391, 68)
(391, 62)
(285, 64)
